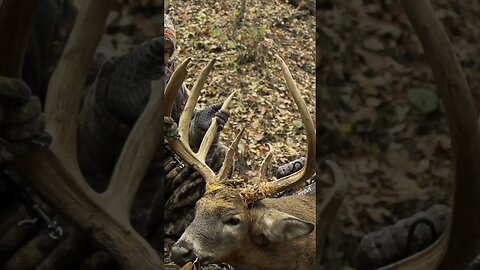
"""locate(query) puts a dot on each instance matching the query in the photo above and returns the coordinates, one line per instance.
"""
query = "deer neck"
(273, 256)
(281, 256)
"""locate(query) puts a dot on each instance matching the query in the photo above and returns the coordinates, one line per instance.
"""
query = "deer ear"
(278, 226)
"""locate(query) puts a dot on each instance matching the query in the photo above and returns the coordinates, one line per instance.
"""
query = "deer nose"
(181, 253)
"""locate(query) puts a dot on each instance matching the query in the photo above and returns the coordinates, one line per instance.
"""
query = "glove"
(291, 167)
(203, 118)
(22, 125)
(404, 238)
(170, 130)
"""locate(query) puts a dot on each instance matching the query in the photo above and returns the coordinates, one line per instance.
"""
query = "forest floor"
(379, 114)
(246, 64)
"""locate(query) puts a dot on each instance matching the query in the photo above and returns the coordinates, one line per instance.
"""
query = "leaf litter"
(379, 114)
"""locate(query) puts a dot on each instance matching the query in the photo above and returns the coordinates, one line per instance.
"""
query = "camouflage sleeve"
(129, 87)
(22, 124)
(53, 23)
(113, 104)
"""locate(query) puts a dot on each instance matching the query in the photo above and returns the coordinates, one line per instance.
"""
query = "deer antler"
(328, 210)
(197, 160)
(266, 162)
(308, 170)
(181, 146)
(55, 173)
(460, 242)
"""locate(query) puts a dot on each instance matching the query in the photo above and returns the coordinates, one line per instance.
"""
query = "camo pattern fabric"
(404, 238)
(53, 23)
(22, 124)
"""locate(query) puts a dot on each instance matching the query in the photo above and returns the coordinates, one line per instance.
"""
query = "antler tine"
(185, 118)
(228, 161)
(182, 146)
(173, 85)
(329, 208)
(266, 162)
(308, 170)
(212, 130)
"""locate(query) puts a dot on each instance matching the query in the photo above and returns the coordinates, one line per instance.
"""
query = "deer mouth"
(181, 254)
(203, 260)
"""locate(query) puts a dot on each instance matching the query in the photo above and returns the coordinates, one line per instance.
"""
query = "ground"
(380, 116)
(246, 64)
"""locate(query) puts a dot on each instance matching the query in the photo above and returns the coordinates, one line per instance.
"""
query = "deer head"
(242, 225)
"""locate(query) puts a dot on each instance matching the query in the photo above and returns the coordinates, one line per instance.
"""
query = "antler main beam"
(66, 85)
(141, 145)
(57, 187)
(460, 242)
(328, 210)
(308, 170)
(457, 98)
(182, 146)
(55, 174)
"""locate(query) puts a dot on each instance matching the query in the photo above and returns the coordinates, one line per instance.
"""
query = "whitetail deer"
(242, 226)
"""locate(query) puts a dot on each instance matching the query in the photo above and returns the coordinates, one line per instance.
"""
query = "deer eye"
(232, 221)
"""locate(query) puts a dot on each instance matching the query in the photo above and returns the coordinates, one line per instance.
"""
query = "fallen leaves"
(423, 99)
(246, 64)
(379, 112)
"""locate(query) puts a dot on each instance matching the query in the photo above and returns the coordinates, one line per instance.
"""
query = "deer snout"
(182, 253)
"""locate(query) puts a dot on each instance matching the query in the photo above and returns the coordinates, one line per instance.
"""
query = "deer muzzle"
(182, 253)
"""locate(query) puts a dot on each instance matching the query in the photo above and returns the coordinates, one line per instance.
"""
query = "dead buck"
(242, 226)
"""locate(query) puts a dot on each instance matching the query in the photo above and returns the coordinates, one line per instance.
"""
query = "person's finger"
(23, 147)
(42, 141)
(168, 120)
(222, 116)
(22, 114)
(216, 107)
(13, 91)
(5, 155)
(25, 131)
